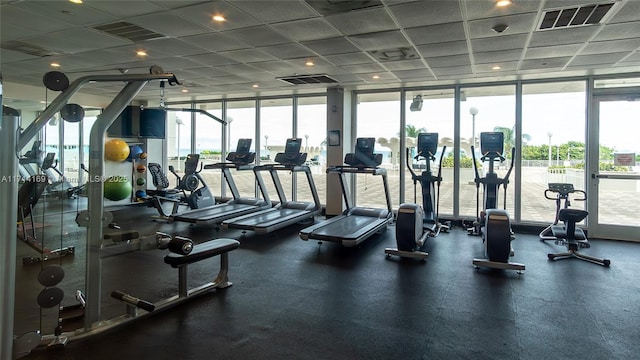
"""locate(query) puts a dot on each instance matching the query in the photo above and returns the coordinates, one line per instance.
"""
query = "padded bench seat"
(202, 251)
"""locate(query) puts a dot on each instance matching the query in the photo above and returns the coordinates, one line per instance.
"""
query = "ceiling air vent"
(128, 31)
(395, 54)
(308, 79)
(574, 16)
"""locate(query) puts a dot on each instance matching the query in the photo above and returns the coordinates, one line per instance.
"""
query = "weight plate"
(55, 81)
(50, 297)
(50, 275)
(156, 70)
(72, 113)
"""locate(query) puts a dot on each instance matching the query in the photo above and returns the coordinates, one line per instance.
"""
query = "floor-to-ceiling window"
(485, 109)
(276, 126)
(241, 124)
(553, 150)
(312, 129)
(378, 117)
(436, 115)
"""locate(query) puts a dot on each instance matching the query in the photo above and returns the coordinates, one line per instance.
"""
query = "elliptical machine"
(493, 224)
(414, 224)
(568, 234)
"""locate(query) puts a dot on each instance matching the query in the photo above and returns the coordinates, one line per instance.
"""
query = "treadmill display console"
(292, 155)
(242, 155)
(364, 156)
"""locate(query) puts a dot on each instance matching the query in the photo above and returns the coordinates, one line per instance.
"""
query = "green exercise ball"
(117, 188)
(141, 181)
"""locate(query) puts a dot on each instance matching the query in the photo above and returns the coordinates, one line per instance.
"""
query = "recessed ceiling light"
(503, 3)
(76, 1)
(218, 18)
(185, 90)
(255, 85)
(496, 67)
(376, 76)
(141, 53)
(309, 63)
(54, 64)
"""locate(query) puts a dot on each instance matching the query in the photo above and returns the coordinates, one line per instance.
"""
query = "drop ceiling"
(359, 44)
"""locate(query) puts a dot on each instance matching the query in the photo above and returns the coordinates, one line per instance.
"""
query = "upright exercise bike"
(493, 224)
(414, 224)
(568, 234)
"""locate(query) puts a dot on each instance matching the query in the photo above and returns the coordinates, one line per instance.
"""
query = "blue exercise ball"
(134, 152)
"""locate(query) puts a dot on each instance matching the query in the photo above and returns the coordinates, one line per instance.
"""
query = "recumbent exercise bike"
(568, 234)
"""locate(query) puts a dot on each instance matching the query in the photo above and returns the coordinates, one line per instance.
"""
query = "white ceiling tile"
(169, 25)
(443, 49)
(35, 21)
(362, 21)
(288, 51)
(563, 36)
(600, 47)
(403, 65)
(380, 41)
(171, 47)
(619, 31)
(124, 9)
(452, 70)
(555, 63)
(12, 32)
(305, 30)
(630, 11)
(76, 40)
(597, 59)
(276, 11)
(331, 46)
(552, 51)
(518, 24)
(421, 74)
(258, 36)
(9, 56)
(212, 59)
(488, 9)
(202, 14)
(216, 42)
(436, 33)
(493, 57)
(446, 61)
(248, 55)
(422, 13)
(507, 42)
(66, 12)
(349, 59)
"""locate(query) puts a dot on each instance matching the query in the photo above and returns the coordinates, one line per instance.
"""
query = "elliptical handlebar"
(513, 160)
(475, 166)
(413, 173)
(444, 148)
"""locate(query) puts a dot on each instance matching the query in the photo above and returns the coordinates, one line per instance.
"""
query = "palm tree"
(510, 137)
(413, 131)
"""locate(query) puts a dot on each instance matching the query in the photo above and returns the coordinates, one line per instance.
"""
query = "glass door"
(614, 189)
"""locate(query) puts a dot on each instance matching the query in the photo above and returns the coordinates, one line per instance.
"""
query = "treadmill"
(287, 212)
(240, 159)
(355, 224)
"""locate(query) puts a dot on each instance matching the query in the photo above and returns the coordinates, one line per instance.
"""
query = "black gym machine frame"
(95, 218)
(415, 224)
(493, 224)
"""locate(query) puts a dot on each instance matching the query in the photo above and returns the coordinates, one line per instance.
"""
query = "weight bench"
(200, 252)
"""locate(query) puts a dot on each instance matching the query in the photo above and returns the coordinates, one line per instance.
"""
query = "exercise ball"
(117, 188)
(116, 150)
(141, 169)
(141, 181)
(134, 152)
(141, 194)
